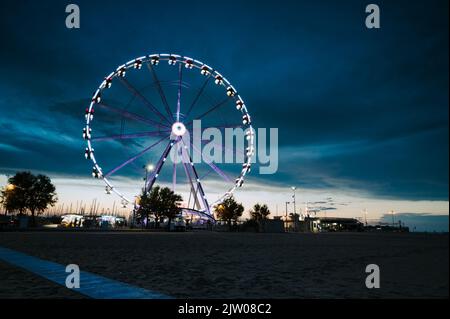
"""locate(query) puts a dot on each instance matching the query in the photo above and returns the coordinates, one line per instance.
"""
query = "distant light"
(150, 167)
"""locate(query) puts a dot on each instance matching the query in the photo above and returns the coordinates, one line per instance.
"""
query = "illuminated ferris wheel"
(145, 111)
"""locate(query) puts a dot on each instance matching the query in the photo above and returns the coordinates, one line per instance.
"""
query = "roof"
(335, 219)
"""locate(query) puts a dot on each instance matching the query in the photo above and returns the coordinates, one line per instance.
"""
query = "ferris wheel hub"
(178, 129)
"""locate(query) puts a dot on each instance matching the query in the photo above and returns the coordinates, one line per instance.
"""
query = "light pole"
(393, 214)
(293, 196)
(135, 204)
(148, 168)
(11, 187)
(286, 220)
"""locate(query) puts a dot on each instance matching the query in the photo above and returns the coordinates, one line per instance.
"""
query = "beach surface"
(237, 265)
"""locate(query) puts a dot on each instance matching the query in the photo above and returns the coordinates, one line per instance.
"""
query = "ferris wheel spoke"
(212, 165)
(197, 97)
(174, 173)
(206, 174)
(129, 136)
(189, 178)
(160, 90)
(132, 159)
(195, 191)
(187, 159)
(192, 187)
(136, 92)
(180, 77)
(223, 148)
(215, 107)
(149, 182)
(132, 116)
(218, 126)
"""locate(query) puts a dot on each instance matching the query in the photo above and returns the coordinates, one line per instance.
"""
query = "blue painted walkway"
(91, 285)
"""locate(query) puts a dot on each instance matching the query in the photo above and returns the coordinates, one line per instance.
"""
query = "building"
(330, 224)
(275, 225)
(387, 228)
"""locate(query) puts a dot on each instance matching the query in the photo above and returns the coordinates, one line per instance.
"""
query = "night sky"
(359, 111)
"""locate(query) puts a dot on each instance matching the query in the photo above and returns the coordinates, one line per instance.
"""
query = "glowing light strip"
(91, 285)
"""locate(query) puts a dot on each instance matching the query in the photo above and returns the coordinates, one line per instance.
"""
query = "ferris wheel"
(145, 111)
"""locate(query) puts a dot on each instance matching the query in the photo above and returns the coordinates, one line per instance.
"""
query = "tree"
(229, 210)
(27, 192)
(43, 194)
(159, 202)
(148, 205)
(294, 218)
(11, 201)
(169, 204)
(14, 195)
(259, 214)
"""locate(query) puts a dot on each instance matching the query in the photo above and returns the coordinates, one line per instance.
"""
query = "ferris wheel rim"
(189, 63)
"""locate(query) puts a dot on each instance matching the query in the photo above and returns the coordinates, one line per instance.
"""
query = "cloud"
(10, 148)
(348, 118)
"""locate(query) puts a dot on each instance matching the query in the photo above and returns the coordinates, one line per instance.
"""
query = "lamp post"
(286, 220)
(11, 187)
(393, 214)
(293, 196)
(135, 204)
(148, 168)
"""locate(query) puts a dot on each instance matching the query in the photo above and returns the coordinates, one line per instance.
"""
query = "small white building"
(72, 220)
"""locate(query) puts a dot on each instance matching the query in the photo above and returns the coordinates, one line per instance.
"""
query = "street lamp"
(293, 196)
(10, 187)
(365, 215)
(137, 200)
(148, 168)
(393, 214)
(286, 220)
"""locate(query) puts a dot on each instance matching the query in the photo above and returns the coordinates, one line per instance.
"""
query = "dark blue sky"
(356, 108)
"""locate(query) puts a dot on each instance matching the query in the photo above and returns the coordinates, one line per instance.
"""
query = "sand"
(17, 283)
(238, 265)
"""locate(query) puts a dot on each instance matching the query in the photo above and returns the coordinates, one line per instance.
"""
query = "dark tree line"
(27, 193)
(230, 211)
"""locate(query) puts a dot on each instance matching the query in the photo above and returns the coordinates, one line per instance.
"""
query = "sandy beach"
(238, 265)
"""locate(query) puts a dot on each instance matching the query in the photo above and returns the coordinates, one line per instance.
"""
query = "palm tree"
(259, 214)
